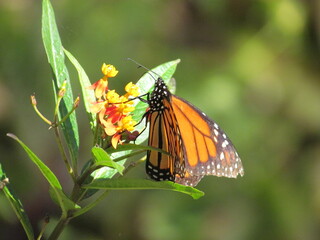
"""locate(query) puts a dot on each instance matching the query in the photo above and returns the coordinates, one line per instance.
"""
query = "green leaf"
(16, 205)
(88, 94)
(103, 159)
(46, 172)
(130, 184)
(66, 202)
(129, 146)
(106, 168)
(147, 81)
(54, 50)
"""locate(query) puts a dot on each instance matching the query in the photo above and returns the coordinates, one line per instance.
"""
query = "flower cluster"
(113, 110)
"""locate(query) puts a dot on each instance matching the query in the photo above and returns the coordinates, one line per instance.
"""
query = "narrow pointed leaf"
(46, 172)
(54, 50)
(16, 205)
(130, 184)
(103, 159)
(88, 94)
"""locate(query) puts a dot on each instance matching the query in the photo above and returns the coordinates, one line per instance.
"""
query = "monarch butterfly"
(197, 146)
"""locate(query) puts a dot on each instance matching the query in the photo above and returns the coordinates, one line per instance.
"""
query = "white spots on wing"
(218, 165)
(224, 136)
(216, 126)
(225, 143)
(215, 139)
(215, 131)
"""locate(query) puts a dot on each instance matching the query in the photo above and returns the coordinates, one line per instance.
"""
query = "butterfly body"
(195, 144)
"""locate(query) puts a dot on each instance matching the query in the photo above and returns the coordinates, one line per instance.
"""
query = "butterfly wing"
(165, 135)
(207, 149)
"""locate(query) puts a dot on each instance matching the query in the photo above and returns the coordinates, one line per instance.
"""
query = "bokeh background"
(251, 65)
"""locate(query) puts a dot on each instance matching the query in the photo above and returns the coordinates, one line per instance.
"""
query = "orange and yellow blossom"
(113, 110)
(126, 124)
(132, 90)
(101, 86)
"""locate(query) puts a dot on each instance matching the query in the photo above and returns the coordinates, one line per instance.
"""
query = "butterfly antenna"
(140, 65)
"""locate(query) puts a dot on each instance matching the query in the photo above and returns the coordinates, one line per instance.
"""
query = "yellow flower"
(109, 70)
(126, 123)
(132, 90)
(113, 97)
(101, 86)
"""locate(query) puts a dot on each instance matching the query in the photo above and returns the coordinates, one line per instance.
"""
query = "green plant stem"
(63, 221)
(77, 194)
(67, 116)
(59, 228)
(90, 205)
(128, 155)
(64, 156)
(41, 116)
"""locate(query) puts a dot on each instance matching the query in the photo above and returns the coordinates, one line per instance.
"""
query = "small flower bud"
(62, 90)
(76, 102)
(3, 183)
(33, 100)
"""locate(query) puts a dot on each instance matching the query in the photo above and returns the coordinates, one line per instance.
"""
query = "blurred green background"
(253, 66)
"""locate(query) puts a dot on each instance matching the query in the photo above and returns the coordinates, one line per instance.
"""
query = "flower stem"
(59, 228)
(90, 205)
(75, 105)
(64, 156)
(63, 221)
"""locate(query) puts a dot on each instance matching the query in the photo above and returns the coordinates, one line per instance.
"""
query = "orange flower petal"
(109, 128)
(115, 140)
(97, 106)
(101, 88)
(93, 86)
